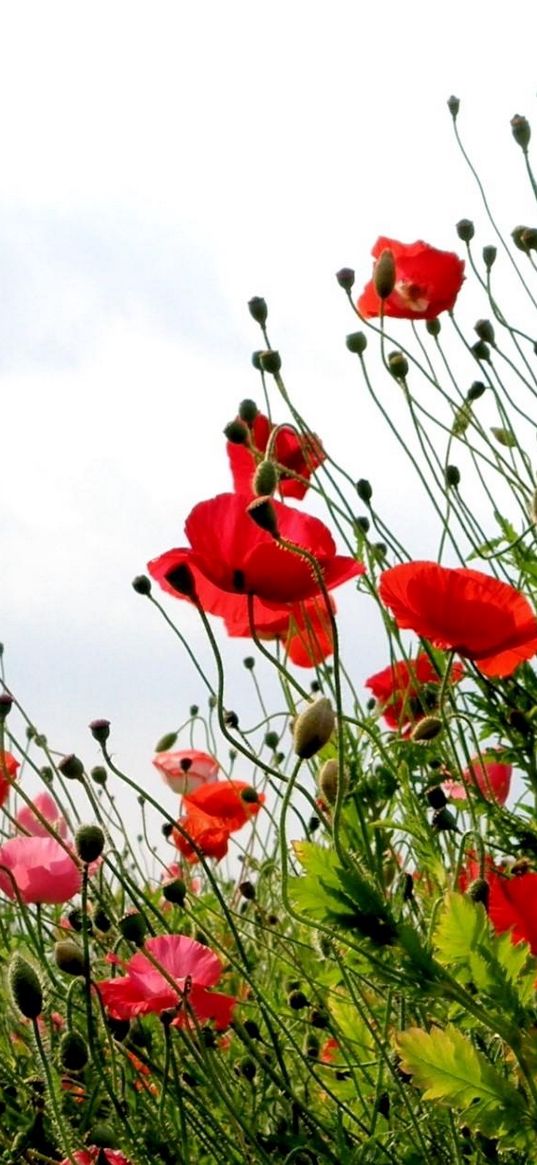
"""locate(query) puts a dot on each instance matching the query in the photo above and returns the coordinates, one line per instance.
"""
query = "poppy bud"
(297, 1000)
(231, 720)
(517, 235)
(329, 780)
(247, 1068)
(476, 390)
(270, 361)
(427, 729)
(166, 829)
(258, 310)
(520, 128)
(237, 433)
(345, 278)
(433, 326)
(436, 797)
(313, 823)
(166, 742)
(100, 730)
(312, 1045)
(356, 342)
(25, 987)
(47, 774)
(529, 237)
(141, 584)
(465, 230)
(489, 256)
(6, 704)
(481, 351)
(384, 274)
(247, 889)
(453, 105)
(75, 919)
(362, 524)
(272, 740)
(248, 411)
(313, 728)
(479, 891)
(265, 478)
(444, 821)
(263, 513)
(319, 1018)
(504, 437)
(364, 490)
(453, 476)
(73, 1052)
(69, 957)
(175, 891)
(71, 767)
(181, 579)
(133, 928)
(99, 775)
(398, 365)
(101, 920)
(248, 662)
(89, 842)
(485, 331)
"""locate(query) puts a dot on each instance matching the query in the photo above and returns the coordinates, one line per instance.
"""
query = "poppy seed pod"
(25, 987)
(71, 767)
(258, 309)
(357, 343)
(69, 957)
(453, 105)
(489, 256)
(133, 927)
(89, 843)
(237, 432)
(485, 331)
(175, 891)
(364, 490)
(264, 515)
(453, 476)
(100, 730)
(248, 411)
(476, 390)
(265, 479)
(520, 128)
(345, 278)
(6, 704)
(384, 274)
(313, 728)
(433, 327)
(481, 351)
(99, 775)
(141, 584)
(270, 361)
(465, 230)
(398, 365)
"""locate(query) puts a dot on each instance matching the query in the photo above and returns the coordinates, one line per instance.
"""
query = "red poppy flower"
(92, 1154)
(201, 833)
(402, 692)
(231, 557)
(213, 813)
(302, 454)
(463, 610)
(187, 769)
(304, 629)
(427, 282)
(8, 772)
(491, 776)
(143, 989)
(512, 903)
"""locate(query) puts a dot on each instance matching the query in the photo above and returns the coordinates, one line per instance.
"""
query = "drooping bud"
(453, 105)
(427, 729)
(248, 411)
(313, 728)
(166, 742)
(453, 476)
(521, 130)
(504, 437)
(263, 513)
(433, 327)
(265, 478)
(100, 730)
(71, 767)
(182, 580)
(141, 584)
(476, 390)
(237, 432)
(329, 780)
(73, 1052)
(481, 351)
(345, 278)
(398, 365)
(485, 331)
(258, 309)
(69, 957)
(89, 842)
(364, 490)
(384, 274)
(270, 361)
(489, 256)
(25, 987)
(357, 343)
(465, 230)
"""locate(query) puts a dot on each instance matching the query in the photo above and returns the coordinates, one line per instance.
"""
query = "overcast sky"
(160, 164)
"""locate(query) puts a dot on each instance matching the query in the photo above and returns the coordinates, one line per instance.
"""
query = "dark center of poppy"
(186, 764)
(239, 581)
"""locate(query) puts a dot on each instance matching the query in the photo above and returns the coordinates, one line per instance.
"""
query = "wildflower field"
(329, 953)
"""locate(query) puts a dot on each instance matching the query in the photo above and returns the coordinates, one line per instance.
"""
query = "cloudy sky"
(160, 164)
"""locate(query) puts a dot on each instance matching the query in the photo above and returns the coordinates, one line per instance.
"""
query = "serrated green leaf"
(450, 1070)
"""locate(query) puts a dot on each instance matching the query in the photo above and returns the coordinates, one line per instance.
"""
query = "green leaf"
(450, 1070)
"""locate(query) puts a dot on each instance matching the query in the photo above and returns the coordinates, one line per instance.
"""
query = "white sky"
(160, 164)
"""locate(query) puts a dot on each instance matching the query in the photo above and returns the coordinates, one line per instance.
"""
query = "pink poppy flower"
(47, 807)
(40, 868)
(492, 777)
(143, 989)
(186, 770)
